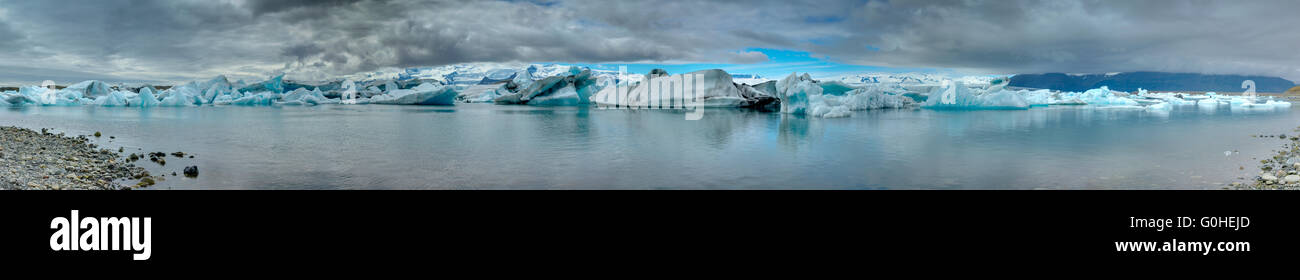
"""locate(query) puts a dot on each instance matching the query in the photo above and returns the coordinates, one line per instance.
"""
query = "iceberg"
(90, 89)
(1101, 96)
(216, 87)
(834, 88)
(113, 99)
(1279, 104)
(958, 96)
(803, 95)
(425, 94)
(147, 98)
(252, 99)
(46, 97)
(796, 92)
(274, 85)
(16, 98)
(1208, 103)
(349, 94)
(1162, 106)
(761, 96)
(869, 98)
(576, 88)
(302, 96)
(481, 93)
(704, 88)
(179, 100)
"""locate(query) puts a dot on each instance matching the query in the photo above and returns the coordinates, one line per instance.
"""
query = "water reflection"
(488, 146)
(799, 131)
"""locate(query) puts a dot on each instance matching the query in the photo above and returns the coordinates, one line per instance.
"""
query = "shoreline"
(1282, 170)
(39, 160)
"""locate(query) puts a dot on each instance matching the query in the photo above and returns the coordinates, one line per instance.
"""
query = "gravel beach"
(1281, 171)
(37, 160)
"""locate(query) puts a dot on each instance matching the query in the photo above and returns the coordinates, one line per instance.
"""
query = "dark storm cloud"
(190, 39)
(258, 7)
(1251, 37)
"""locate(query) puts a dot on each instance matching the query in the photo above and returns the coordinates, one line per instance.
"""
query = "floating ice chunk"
(215, 87)
(704, 88)
(868, 98)
(223, 100)
(349, 95)
(425, 94)
(957, 96)
(273, 85)
(90, 89)
(16, 98)
(481, 93)
(551, 90)
(565, 96)
(179, 100)
(253, 99)
(802, 95)
(761, 96)
(796, 92)
(1102, 96)
(834, 88)
(1162, 106)
(147, 98)
(181, 96)
(1208, 103)
(302, 96)
(113, 99)
(1279, 104)
(45, 97)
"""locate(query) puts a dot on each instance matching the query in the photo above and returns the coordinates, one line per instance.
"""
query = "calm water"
(471, 146)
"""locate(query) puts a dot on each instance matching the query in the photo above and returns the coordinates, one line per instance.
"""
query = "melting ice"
(559, 85)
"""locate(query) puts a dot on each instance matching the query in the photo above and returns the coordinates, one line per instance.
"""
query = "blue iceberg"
(424, 94)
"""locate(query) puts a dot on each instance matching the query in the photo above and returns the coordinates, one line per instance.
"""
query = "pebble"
(46, 161)
(1291, 179)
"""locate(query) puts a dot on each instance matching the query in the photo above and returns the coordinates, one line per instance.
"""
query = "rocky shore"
(40, 160)
(1279, 172)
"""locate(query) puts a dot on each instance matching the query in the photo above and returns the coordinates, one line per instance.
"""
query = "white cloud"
(176, 40)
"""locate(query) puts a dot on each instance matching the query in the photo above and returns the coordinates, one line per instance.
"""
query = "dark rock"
(191, 171)
(655, 73)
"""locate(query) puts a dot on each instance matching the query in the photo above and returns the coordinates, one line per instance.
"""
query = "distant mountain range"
(1156, 81)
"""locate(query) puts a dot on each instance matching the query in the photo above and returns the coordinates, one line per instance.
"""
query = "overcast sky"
(179, 40)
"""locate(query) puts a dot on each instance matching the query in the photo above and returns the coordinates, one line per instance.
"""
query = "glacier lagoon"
(485, 146)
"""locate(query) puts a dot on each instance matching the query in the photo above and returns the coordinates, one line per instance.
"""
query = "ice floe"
(704, 88)
(559, 85)
(425, 94)
(575, 88)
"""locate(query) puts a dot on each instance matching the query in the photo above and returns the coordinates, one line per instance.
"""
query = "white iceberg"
(302, 96)
(575, 88)
(796, 93)
(957, 96)
(113, 99)
(146, 98)
(251, 99)
(90, 89)
(803, 95)
(424, 94)
(704, 88)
